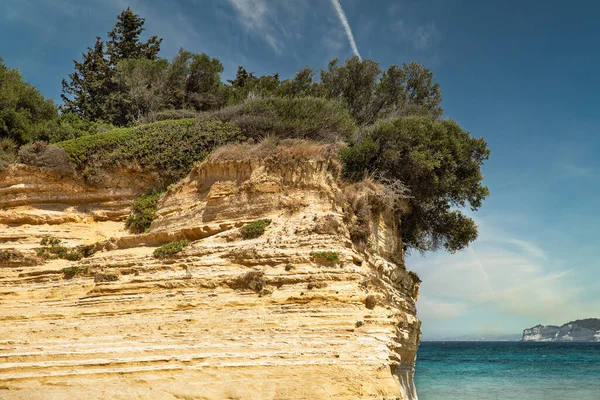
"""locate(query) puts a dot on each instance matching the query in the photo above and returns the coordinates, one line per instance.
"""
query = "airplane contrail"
(344, 21)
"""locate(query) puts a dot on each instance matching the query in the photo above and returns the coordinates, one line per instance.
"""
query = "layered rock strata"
(227, 318)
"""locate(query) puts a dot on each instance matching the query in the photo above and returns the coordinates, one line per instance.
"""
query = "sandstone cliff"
(583, 330)
(226, 318)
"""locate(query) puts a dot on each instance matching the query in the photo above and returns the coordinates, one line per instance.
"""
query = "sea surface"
(508, 370)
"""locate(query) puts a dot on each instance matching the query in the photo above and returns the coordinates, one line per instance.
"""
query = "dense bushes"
(52, 249)
(169, 249)
(174, 114)
(302, 118)
(22, 106)
(255, 229)
(170, 147)
(68, 126)
(142, 213)
(326, 256)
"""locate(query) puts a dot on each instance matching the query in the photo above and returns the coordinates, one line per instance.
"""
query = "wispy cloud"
(342, 16)
(510, 278)
(257, 16)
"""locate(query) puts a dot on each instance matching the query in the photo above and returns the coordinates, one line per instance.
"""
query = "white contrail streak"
(344, 21)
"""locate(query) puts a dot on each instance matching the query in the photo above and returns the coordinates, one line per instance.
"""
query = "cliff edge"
(319, 306)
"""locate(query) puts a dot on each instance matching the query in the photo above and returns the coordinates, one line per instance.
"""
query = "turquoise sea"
(508, 370)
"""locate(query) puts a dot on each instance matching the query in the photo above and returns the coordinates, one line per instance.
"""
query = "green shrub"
(87, 250)
(53, 252)
(70, 272)
(68, 126)
(328, 256)
(9, 255)
(170, 248)
(255, 229)
(49, 241)
(300, 118)
(22, 106)
(174, 114)
(142, 213)
(53, 249)
(101, 145)
(170, 147)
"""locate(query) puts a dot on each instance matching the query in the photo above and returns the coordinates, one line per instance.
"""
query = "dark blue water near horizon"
(508, 370)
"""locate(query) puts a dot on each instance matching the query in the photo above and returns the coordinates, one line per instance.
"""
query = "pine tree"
(125, 41)
(92, 90)
(88, 88)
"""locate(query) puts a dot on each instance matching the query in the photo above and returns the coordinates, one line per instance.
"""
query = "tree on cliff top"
(22, 106)
(439, 163)
(92, 91)
(125, 41)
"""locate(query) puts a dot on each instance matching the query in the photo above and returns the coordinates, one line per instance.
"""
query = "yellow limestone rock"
(186, 327)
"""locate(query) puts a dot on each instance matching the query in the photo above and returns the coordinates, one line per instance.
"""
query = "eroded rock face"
(228, 317)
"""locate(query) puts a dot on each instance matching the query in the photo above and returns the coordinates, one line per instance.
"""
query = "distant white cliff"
(582, 330)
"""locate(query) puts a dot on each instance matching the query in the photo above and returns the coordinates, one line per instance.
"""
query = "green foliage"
(370, 95)
(142, 82)
(175, 114)
(439, 163)
(10, 255)
(255, 229)
(125, 41)
(71, 272)
(328, 256)
(169, 249)
(190, 81)
(92, 91)
(68, 126)
(409, 89)
(194, 82)
(82, 149)
(170, 147)
(52, 249)
(246, 85)
(22, 106)
(302, 118)
(49, 241)
(355, 84)
(302, 85)
(58, 251)
(142, 213)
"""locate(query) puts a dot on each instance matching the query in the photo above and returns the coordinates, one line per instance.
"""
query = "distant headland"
(581, 330)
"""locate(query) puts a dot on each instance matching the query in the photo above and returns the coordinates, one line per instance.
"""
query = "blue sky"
(521, 74)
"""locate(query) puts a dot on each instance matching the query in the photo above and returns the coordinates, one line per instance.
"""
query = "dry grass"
(367, 199)
(327, 225)
(270, 147)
